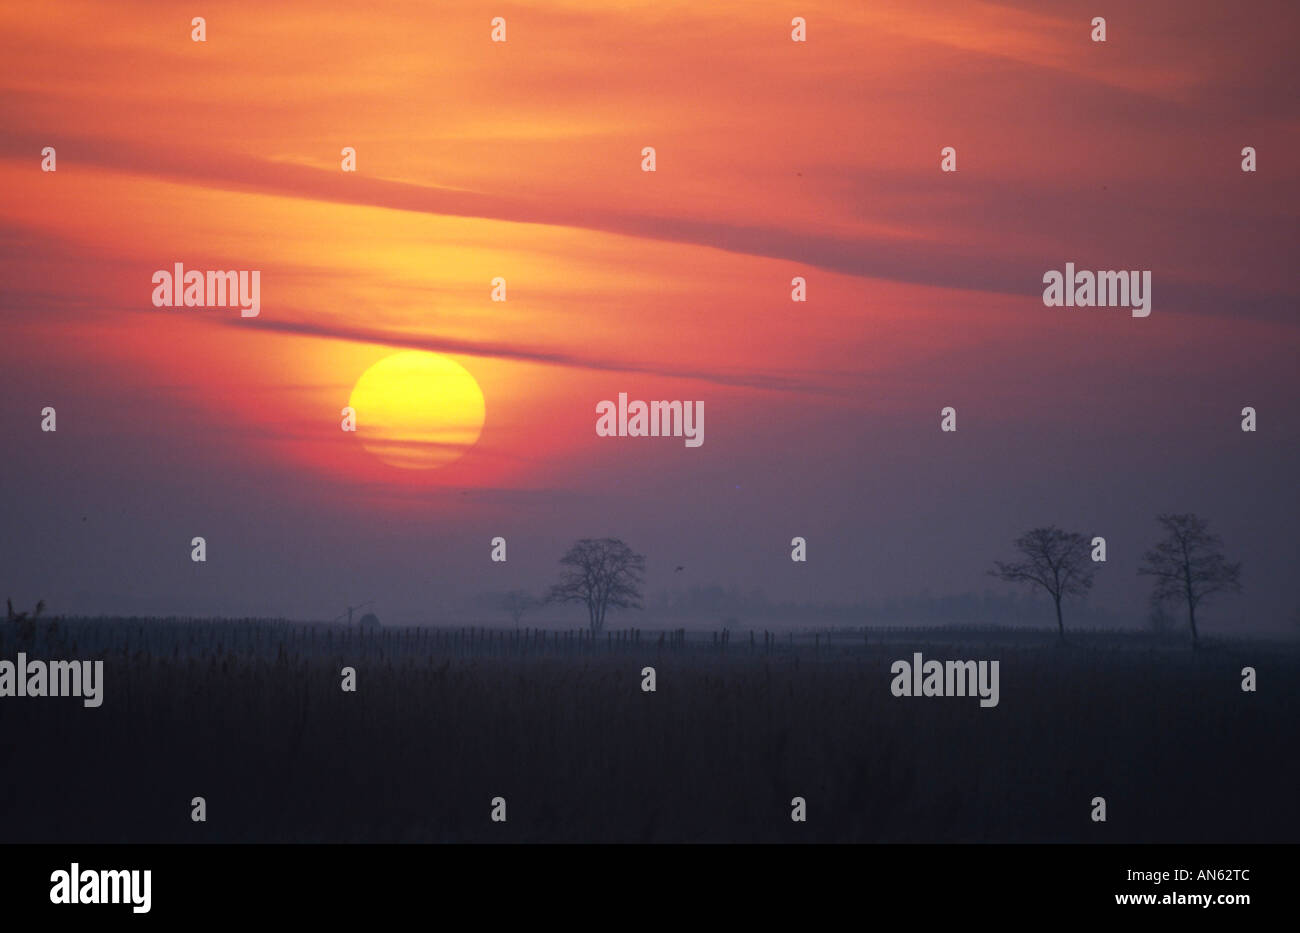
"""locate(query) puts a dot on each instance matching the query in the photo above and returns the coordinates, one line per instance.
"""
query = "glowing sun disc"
(417, 410)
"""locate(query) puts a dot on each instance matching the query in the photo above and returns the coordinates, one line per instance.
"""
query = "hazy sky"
(522, 159)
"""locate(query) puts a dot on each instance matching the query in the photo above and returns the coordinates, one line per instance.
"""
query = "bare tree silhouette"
(1188, 565)
(1159, 620)
(601, 573)
(25, 626)
(1056, 560)
(22, 616)
(516, 602)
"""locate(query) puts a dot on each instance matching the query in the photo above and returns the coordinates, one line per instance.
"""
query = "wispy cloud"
(772, 381)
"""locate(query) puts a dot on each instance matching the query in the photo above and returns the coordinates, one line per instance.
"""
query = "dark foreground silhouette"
(250, 716)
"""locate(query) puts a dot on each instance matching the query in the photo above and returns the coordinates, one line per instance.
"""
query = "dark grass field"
(250, 715)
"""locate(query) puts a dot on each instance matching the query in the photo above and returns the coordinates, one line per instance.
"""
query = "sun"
(417, 410)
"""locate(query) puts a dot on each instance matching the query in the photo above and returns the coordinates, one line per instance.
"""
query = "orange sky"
(522, 159)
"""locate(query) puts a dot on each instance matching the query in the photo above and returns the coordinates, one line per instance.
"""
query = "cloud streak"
(944, 250)
(770, 381)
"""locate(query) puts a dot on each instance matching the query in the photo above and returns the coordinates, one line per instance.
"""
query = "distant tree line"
(1187, 565)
